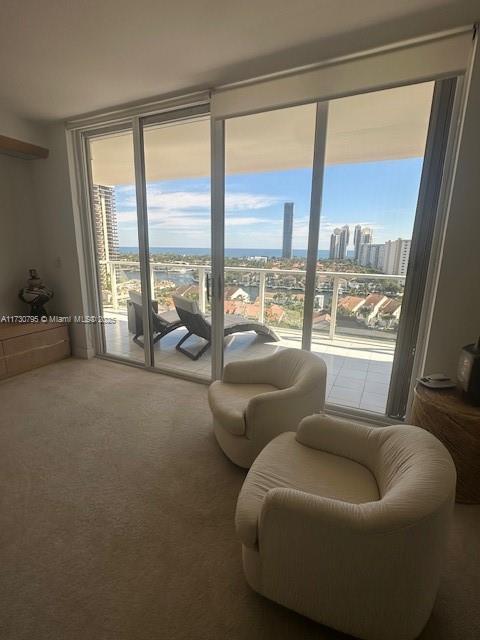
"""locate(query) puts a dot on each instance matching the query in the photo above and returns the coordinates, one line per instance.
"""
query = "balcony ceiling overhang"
(385, 125)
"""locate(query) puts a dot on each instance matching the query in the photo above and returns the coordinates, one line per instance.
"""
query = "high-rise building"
(334, 244)
(363, 236)
(344, 240)
(364, 254)
(287, 230)
(106, 229)
(339, 242)
(397, 253)
(356, 241)
(377, 256)
(366, 237)
(371, 255)
(391, 257)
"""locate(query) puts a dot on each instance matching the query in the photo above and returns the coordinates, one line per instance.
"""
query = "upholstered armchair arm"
(284, 504)
(253, 371)
(341, 437)
(302, 538)
(270, 414)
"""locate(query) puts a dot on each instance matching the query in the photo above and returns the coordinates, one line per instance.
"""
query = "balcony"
(358, 355)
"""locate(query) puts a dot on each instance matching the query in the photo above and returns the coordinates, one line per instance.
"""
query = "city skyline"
(380, 195)
(339, 241)
(390, 257)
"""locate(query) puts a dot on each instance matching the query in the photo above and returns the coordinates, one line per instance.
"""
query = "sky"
(381, 195)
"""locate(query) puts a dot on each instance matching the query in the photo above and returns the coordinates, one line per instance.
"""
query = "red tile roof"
(373, 299)
(390, 306)
(350, 303)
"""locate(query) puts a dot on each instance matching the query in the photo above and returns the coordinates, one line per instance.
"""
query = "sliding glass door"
(323, 221)
(268, 178)
(177, 174)
(114, 223)
(375, 146)
(322, 210)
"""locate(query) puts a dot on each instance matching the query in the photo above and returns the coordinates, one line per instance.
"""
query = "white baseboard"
(83, 352)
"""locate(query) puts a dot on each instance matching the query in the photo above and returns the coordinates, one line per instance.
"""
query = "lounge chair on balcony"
(162, 323)
(198, 324)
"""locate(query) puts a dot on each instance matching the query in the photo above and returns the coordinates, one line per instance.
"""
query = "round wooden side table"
(456, 424)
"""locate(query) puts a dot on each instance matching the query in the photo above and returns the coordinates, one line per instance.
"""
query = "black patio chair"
(198, 324)
(163, 323)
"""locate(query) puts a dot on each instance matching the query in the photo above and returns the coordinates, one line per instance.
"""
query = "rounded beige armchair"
(347, 524)
(260, 398)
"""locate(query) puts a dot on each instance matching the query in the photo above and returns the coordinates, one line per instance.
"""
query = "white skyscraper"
(397, 253)
(106, 229)
(339, 242)
(377, 256)
(344, 240)
(334, 244)
(364, 254)
(363, 239)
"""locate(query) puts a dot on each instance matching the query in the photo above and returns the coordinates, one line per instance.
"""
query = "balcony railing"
(117, 297)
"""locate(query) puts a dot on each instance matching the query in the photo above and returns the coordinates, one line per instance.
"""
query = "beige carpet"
(117, 518)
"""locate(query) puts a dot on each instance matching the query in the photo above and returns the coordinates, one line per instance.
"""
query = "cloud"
(239, 221)
(193, 200)
(196, 200)
(186, 214)
(189, 211)
(327, 225)
(249, 201)
(186, 219)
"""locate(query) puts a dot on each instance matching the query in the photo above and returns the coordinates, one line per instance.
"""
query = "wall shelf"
(19, 149)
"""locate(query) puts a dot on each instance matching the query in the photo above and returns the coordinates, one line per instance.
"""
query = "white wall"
(37, 226)
(13, 126)
(456, 313)
(20, 248)
(60, 237)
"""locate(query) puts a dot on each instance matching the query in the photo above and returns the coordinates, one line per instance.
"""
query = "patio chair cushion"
(229, 403)
(289, 464)
(168, 317)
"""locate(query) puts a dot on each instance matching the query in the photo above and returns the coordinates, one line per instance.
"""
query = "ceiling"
(60, 59)
(383, 125)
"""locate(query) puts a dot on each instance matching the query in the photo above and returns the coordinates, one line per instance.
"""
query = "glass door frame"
(218, 232)
(446, 92)
(442, 129)
(135, 123)
(316, 192)
(179, 115)
(83, 160)
(217, 147)
(81, 143)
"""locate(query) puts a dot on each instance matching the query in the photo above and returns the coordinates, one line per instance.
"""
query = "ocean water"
(230, 253)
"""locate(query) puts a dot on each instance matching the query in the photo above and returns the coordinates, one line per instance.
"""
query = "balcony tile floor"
(358, 369)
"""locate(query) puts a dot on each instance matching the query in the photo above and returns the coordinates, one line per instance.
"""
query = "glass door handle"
(208, 287)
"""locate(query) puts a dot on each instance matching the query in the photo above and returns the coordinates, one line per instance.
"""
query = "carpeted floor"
(116, 519)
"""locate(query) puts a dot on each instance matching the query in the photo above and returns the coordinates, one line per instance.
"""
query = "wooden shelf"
(19, 149)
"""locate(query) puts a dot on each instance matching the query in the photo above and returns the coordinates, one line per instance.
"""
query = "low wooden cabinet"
(457, 424)
(30, 345)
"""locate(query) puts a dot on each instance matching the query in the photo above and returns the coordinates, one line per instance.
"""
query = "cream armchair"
(260, 398)
(347, 524)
